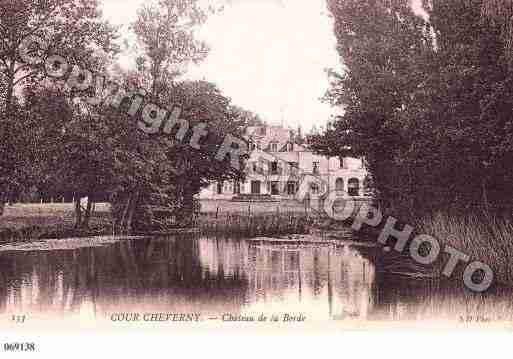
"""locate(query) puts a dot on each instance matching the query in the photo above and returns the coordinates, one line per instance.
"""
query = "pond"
(228, 280)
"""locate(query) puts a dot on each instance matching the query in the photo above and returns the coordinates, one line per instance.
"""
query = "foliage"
(426, 101)
(166, 39)
(73, 29)
(64, 144)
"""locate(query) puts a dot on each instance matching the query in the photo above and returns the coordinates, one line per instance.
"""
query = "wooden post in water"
(217, 214)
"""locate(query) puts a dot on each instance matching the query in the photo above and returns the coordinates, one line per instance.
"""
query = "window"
(293, 167)
(220, 186)
(255, 187)
(274, 147)
(339, 185)
(274, 168)
(263, 131)
(252, 146)
(314, 188)
(291, 188)
(236, 187)
(353, 187)
(275, 188)
(255, 167)
(290, 147)
(316, 168)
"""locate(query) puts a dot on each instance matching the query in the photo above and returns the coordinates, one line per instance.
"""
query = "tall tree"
(72, 29)
(166, 37)
(382, 45)
(501, 11)
(427, 101)
(167, 44)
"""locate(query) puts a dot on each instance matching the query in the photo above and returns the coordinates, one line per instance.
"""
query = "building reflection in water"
(212, 276)
(217, 276)
(320, 281)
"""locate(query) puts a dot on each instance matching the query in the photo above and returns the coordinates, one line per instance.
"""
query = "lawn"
(47, 214)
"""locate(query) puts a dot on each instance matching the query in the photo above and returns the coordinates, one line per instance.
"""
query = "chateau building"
(281, 166)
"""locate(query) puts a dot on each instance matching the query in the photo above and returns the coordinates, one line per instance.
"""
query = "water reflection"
(217, 276)
(322, 282)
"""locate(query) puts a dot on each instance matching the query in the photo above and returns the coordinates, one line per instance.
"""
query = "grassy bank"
(480, 236)
(28, 222)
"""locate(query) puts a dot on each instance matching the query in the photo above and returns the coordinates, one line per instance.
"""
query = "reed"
(481, 236)
(248, 224)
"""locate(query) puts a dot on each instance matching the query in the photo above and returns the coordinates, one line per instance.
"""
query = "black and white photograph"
(254, 166)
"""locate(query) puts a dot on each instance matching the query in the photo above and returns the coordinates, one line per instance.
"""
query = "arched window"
(353, 187)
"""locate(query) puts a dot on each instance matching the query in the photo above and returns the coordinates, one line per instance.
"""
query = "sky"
(268, 56)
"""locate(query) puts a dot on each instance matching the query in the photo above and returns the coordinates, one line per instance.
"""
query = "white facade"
(280, 167)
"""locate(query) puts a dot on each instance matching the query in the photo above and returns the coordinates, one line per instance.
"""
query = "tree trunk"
(131, 212)
(87, 215)
(2, 203)
(486, 204)
(7, 119)
(78, 213)
(120, 222)
(9, 97)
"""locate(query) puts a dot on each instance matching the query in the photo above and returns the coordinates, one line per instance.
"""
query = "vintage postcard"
(273, 166)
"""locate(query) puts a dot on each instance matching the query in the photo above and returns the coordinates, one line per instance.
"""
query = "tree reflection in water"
(212, 276)
(215, 276)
